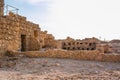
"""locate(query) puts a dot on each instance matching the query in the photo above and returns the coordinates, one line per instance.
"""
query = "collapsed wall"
(48, 41)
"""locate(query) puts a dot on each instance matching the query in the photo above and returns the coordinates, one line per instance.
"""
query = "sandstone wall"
(85, 44)
(12, 27)
(82, 55)
(47, 40)
(9, 33)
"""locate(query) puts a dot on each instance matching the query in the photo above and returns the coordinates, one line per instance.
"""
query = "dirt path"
(58, 69)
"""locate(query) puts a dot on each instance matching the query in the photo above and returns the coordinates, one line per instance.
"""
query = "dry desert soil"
(57, 69)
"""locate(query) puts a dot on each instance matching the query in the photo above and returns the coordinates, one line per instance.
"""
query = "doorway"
(23, 42)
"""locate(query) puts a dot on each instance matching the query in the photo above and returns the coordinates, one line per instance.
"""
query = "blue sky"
(75, 18)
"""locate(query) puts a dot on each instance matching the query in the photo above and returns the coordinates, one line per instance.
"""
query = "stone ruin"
(18, 34)
(87, 44)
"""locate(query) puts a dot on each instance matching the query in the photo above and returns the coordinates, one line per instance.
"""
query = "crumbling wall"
(34, 44)
(48, 40)
(81, 55)
(86, 44)
(12, 27)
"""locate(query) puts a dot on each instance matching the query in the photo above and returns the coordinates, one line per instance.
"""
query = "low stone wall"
(111, 57)
(81, 55)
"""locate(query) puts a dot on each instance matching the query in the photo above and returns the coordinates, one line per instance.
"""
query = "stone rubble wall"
(48, 40)
(80, 55)
(85, 44)
(8, 33)
(12, 27)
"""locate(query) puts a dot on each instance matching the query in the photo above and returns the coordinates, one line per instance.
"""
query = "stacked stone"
(9, 32)
(85, 44)
(12, 27)
(49, 41)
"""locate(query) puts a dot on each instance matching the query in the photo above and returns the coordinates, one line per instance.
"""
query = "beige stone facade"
(18, 34)
(85, 44)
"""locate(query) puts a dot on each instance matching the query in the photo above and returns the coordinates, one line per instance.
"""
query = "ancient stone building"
(85, 44)
(25, 35)
(18, 34)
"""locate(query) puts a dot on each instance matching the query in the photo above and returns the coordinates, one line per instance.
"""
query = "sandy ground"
(57, 69)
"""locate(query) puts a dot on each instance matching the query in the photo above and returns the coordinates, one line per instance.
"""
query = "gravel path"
(57, 69)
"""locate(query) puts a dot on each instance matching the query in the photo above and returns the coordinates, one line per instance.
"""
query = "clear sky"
(75, 18)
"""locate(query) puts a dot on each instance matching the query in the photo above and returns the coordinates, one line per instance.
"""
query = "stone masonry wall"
(85, 44)
(12, 27)
(47, 40)
(81, 55)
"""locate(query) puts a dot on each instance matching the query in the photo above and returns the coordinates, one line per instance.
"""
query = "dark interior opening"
(64, 47)
(83, 49)
(93, 49)
(68, 48)
(78, 48)
(69, 43)
(23, 42)
(73, 48)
